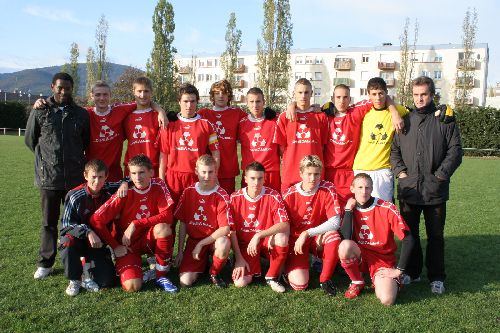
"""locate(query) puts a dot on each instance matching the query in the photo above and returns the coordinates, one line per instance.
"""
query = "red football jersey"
(203, 212)
(251, 216)
(344, 135)
(145, 208)
(226, 123)
(186, 139)
(256, 139)
(142, 131)
(308, 210)
(106, 135)
(305, 136)
(375, 227)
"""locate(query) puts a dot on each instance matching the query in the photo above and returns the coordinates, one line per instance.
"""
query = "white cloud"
(56, 15)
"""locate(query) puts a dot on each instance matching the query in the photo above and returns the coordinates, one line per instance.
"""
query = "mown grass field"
(471, 303)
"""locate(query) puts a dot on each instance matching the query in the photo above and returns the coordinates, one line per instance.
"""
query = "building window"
(201, 63)
(209, 63)
(363, 92)
(426, 73)
(318, 76)
(309, 60)
(200, 77)
(318, 61)
(299, 60)
(317, 92)
(298, 75)
(216, 62)
(365, 58)
(438, 58)
(309, 76)
(241, 61)
(216, 77)
(208, 77)
(438, 75)
(365, 75)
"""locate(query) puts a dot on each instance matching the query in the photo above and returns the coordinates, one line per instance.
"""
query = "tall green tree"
(466, 62)
(122, 88)
(91, 71)
(273, 52)
(72, 67)
(229, 58)
(101, 36)
(161, 67)
(407, 64)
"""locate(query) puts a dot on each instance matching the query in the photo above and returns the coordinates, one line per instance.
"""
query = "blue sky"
(39, 33)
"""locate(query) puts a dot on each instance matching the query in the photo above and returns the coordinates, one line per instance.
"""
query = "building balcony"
(240, 84)
(343, 64)
(342, 80)
(464, 82)
(466, 64)
(185, 70)
(390, 82)
(387, 65)
(240, 69)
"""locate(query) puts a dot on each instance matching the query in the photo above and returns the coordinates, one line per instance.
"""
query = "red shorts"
(228, 184)
(130, 265)
(272, 180)
(254, 262)
(178, 181)
(188, 263)
(371, 262)
(342, 179)
(301, 261)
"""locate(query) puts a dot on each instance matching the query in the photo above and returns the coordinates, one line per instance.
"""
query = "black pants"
(51, 209)
(102, 270)
(434, 217)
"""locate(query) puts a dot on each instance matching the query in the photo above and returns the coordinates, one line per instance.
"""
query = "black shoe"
(328, 288)
(218, 281)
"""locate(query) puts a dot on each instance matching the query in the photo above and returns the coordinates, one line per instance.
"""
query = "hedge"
(13, 115)
(479, 129)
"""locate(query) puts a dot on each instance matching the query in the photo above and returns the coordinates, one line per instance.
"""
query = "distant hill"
(37, 80)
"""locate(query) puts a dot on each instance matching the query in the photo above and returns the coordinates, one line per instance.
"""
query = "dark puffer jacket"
(429, 152)
(58, 138)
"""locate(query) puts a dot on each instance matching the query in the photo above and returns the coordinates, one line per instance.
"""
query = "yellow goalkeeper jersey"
(376, 138)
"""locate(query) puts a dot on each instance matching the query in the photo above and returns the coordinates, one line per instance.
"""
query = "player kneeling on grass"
(143, 226)
(314, 218)
(79, 240)
(260, 228)
(205, 217)
(372, 223)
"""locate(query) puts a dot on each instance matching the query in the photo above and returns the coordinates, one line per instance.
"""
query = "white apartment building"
(352, 66)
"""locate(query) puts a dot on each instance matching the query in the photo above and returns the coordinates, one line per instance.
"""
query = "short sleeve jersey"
(186, 139)
(307, 210)
(344, 136)
(145, 208)
(226, 123)
(203, 211)
(142, 131)
(256, 139)
(376, 139)
(305, 136)
(251, 216)
(106, 133)
(375, 227)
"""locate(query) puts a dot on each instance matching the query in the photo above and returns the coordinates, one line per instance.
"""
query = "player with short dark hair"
(79, 240)
(203, 211)
(368, 246)
(143, 226)
(260, 228)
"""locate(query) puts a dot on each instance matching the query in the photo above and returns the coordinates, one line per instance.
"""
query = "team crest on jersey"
(379, 134)
(365, 233)
(338, 137)
(186, 139)
(143, 212)
(303, 132)
(258, 140)
(139, 133)
(219, 128)
(251, 221)
(199, 215)
(106, 132)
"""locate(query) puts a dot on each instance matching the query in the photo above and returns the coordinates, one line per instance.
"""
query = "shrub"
(13, 115)
(479, 129)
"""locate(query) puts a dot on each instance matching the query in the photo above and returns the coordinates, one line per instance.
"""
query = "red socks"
(351, 266)
(163, 255)
(217, 265)
(276, 261)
